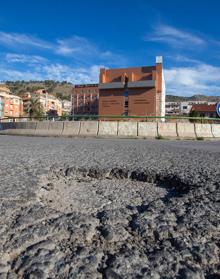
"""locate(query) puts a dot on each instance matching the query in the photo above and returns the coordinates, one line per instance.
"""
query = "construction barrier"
(71, 128)
(167, 130)
(112, 129)
(42, 128)
(55, 128)
(108, 128)
(216, 130)
(147, 129)
(127, 129)
(25, 128)
(186, 130)
(7, 128)
(89, 128)
(203, 130)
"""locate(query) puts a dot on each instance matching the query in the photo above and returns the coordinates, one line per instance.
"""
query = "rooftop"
(204, 107)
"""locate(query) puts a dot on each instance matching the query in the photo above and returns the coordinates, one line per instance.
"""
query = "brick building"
(85, 99)
(138, 91)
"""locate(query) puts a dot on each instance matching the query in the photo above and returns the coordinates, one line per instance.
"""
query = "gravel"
(94, 208)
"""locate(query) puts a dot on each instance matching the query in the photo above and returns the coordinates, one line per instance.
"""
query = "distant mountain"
(172, 98)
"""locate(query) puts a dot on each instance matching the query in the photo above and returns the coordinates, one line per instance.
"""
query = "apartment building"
(172, 108)
(85, 99)
(51, 105)
(66, 107)
(183, 108)
(136, 91)
(1, 106)
(12, 104)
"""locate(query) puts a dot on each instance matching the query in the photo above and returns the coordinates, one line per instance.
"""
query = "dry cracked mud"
(88, 208)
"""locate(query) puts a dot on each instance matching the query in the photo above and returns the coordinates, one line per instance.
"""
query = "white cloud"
(78, 48)
(12, 74)
(83, 50)
(76, 45)
(17, 40)
(58, 72)
(24, 59)
(72, 74)
(175, 37)
(199, 79)
(182, 58)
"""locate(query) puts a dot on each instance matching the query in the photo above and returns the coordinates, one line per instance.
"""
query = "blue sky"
(70, 40)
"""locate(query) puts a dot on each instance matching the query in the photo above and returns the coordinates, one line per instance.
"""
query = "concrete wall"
(55, 128)
(216, 130)
(108, 128)
(203, 130)
(186, 130)
(89, 128)
(147, 129)
(42, 128)
(127, 129)
(112, 129)
(71, 128)
(25, 128)
(167, 130)
(7, 125)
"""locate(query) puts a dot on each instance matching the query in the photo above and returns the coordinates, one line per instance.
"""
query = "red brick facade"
(135, 91)
(85, 99)
(138, 91)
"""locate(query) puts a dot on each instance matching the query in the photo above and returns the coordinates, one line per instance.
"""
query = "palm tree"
(35, 108)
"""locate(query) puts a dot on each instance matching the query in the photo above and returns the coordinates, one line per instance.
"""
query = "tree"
(35, 108)
(194, 113)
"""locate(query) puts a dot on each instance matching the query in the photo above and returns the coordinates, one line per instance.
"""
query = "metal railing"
(115, 117)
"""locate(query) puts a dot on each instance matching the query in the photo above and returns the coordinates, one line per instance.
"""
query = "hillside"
(60, 89)
(173, 98)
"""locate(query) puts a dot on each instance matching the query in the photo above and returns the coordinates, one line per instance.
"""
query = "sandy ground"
(92, 208)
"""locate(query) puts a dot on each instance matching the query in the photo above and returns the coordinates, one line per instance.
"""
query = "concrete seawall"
(123, 129)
